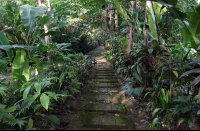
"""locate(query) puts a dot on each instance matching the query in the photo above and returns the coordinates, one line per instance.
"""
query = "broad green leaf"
(176, 52)
(140, 71)
(44, 99)
(37, 107)
(53, 118)
(30, 124)
(185, 109)
(172, 2)
(159, 11)
(2, 89)
(196, 97)
(155, 111)
(1, 114)
(197, 70)
(152, 26)
(137, 92)
(32, 99)
(186, 36)
(4, 41)
(29, 13)
(37, 87)
(53, 95)
(11, 109)
(20, 67)
(129, 91)
(120, 9)
(135, 74)
(178, 14)
(2, 106)
(26, 91)
(60, 24)
(9, 116)
(194, 25)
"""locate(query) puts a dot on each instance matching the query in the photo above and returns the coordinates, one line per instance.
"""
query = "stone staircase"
(100, 112)
(96, 111)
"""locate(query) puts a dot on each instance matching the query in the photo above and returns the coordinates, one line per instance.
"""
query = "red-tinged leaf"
(196, 81)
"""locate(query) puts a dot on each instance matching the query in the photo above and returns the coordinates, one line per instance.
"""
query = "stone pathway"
(97, 111)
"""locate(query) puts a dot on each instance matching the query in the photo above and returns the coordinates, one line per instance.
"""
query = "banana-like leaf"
(186, 36)
(4, 41)
(140, 71)
(194, 25)
(29, 13)
(120, 9)
(20, 68)
(152, 25)
(197, 70)
(196, 81)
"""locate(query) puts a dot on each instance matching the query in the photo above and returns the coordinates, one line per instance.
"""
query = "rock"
(142, 121)
(43, 115)
(51, 128)
(141, 114)
(130, 102)
(196, 124)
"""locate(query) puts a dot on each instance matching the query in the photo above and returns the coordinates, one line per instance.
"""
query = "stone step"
(106, 121)
(105, 85)
(105, 77)
(105, 90)
(104, 69)
(104, 74)
(105, 80)
(92, 106)
(104, 97)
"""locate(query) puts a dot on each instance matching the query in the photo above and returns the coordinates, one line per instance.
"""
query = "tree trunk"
(146, 36)
(110, 7)
(129, 31)
(42, 3)
(116, 22)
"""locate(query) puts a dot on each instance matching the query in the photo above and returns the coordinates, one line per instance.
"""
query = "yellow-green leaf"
(175, 73)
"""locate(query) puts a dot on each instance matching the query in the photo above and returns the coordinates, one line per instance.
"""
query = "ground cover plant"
(152, 44)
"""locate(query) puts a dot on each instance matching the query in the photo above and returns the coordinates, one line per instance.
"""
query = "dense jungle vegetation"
(152, 44)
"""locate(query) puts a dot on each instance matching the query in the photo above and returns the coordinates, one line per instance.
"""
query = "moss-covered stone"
(105, 77)
(91, 120)
(106, 80)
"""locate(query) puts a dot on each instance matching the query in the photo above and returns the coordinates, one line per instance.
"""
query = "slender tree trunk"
(110, 11)
(129, 30)
(42, 3)
(106, 8)
(116, 22)
(146, 37)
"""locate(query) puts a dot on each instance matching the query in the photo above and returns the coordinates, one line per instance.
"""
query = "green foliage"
(20, 68)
